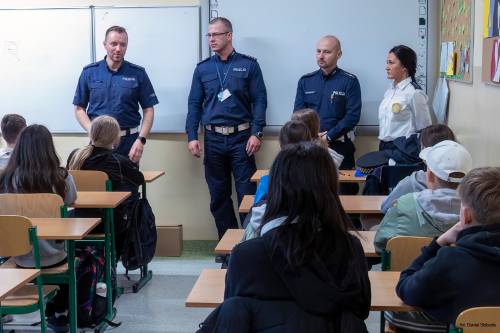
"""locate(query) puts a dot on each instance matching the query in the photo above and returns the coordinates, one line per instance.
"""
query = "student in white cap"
(428, 213)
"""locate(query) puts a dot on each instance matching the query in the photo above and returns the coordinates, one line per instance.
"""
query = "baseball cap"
(448, 160)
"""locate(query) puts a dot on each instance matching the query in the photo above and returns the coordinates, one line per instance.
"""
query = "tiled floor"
(159, 306)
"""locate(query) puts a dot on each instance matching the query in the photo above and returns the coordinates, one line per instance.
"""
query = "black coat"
(263, 295)
(123, 173)
(444, 281)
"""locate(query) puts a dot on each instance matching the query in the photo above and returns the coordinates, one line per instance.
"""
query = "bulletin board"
(457, 39)
(491, 42)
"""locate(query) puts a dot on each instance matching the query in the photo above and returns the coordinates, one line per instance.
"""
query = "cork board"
(457, 39)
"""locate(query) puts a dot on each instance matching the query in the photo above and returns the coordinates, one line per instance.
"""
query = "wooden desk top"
(64, 228)
(91, 199)
(384, 298)
(208, 291)
(150, 176)
(233, 236)
(13, 279)
(345, 176)
(353, 204)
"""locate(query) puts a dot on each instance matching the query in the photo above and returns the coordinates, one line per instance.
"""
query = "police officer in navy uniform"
(229, 97)
(336, 96)
(116, 88)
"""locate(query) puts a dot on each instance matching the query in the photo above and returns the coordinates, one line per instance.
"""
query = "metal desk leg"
(108, 262)
(72, 287)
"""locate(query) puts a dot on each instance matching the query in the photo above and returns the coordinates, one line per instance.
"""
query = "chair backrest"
(89, 180)
(479, 320)
(31, 204)
(404, 249)
(391, 175)
(14, 235)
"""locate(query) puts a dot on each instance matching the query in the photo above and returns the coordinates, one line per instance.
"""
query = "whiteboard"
(41, 55)
(166, 41)
(283, 39)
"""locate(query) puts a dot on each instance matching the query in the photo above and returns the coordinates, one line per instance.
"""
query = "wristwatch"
(142, 139)
(259, 135)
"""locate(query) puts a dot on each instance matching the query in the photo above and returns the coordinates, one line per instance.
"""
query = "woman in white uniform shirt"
(404, 110)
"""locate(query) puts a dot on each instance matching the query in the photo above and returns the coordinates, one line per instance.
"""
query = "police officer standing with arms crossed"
(228, 95)
(336, 96)
(116, 87)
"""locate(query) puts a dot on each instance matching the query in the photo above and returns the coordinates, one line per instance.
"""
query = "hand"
(194, 148)
(450, 236)
(253, 145)
(323, 137)
(135, 152)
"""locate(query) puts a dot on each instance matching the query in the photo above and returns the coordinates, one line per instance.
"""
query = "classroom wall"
(181, 196)
(474, 108)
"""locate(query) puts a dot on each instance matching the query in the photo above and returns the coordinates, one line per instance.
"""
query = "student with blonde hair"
(100, 155)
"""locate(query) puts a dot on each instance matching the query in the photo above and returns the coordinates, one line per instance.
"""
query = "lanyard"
(222, 81)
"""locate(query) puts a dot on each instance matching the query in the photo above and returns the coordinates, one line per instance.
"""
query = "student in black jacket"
(446, 280)
(306, 273)
(99, 155)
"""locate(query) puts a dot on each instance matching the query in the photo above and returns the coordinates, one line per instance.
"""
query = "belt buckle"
(225, 130)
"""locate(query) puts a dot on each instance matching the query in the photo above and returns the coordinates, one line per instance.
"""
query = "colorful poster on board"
(491, 20)
(495, 63)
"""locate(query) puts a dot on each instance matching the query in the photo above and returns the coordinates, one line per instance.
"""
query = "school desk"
(234, 236)
(208, 291)
(345, 176)
(353, 204)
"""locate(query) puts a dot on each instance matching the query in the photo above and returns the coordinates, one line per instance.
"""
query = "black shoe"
(58, 324)
(220, 258)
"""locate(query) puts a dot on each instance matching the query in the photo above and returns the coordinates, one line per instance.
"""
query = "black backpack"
(140, 240)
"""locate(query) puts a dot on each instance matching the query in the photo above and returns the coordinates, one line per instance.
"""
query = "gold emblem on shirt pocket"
(397, 107)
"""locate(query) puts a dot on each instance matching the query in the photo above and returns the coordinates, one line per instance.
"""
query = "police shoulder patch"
(350, 75)
(94, 64)
(137, 66)
(204, 60)
(248, 57)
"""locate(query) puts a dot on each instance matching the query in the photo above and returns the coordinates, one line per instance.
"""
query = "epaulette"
(350, 75)
(416, 85)
(204, 60)
(248, 57)
(310, 74)
(137, 66)
(94, 64)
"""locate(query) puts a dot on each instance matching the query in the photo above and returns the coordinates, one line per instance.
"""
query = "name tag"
(237, 69)
(223, 95)
(309, 92)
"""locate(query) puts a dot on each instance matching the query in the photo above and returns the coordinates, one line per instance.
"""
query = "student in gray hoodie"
(434, 210)
(416, 182)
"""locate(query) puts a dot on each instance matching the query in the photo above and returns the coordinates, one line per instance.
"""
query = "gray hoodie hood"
(440, 208)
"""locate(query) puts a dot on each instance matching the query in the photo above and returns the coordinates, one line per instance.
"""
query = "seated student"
(460, 269)
(427, 213)
(11, 126)
(416, 181)
(434, 210)
(294, 131)
(99, 155)
(35, 168)
(306, 273)
(311, 119)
